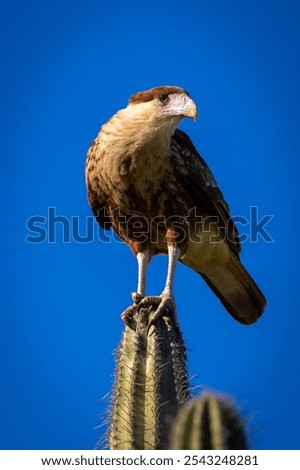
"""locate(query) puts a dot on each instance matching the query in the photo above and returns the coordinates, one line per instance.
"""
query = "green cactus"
(151, 384)
(151, 407)
(208, 422)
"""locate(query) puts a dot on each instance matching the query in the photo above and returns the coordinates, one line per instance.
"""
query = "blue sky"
(66, 68)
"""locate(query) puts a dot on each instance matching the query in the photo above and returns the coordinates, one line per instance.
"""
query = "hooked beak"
(190, 109)
(181, 105)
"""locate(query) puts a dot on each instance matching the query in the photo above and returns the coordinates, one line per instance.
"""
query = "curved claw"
(136, 297)
(154, 300)
(127, 316)
(166, 305)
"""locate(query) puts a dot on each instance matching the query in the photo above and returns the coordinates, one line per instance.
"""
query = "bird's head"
(163, 106)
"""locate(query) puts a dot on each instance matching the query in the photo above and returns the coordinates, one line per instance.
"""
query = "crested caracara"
(147, 182)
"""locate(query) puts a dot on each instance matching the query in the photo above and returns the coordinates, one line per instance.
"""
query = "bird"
(147, 182)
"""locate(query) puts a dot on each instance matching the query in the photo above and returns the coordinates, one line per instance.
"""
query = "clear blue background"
(66, 67)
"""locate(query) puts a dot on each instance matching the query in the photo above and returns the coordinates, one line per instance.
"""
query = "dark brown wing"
(230, 281)
(201, 186)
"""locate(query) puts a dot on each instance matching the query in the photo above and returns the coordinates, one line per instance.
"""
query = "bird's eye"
(164, 99)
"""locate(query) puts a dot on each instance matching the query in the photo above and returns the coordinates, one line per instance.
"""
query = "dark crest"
(149, 95)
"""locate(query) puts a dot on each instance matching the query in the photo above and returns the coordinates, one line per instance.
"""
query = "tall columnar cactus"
(208, 422)
(151, 408)
(151, 384)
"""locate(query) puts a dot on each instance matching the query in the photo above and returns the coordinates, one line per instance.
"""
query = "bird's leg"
(166, 300)
(143, 260)
(173, 254)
